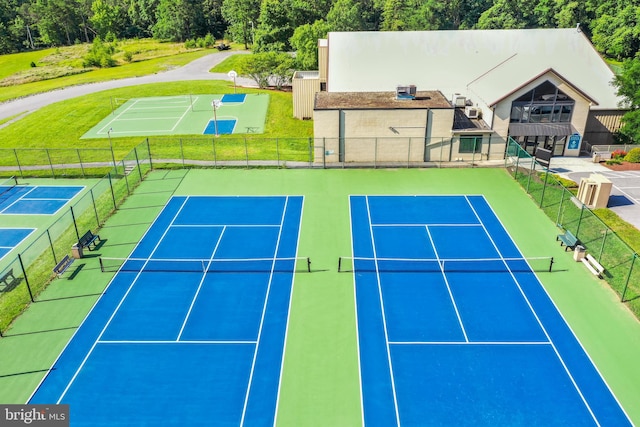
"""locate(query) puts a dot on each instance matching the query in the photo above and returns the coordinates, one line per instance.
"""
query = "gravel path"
(195, 70)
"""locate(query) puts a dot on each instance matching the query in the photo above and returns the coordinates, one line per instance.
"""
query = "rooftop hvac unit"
(459, 101)
(472, 112)
(406, 92)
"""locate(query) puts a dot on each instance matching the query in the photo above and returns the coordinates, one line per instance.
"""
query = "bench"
(568, 239)
(62, 266)
(593, 265)
(7, 281)
(88, 239)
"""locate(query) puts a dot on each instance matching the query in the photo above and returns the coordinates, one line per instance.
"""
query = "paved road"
(195, 70)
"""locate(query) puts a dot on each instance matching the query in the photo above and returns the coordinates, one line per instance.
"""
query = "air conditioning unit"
(406, 92)
(472, 112)
(459, 101)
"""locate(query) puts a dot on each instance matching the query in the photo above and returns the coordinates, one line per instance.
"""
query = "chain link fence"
(622, 267)
(28, 273)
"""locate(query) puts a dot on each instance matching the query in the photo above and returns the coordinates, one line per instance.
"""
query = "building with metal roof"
(545, 88)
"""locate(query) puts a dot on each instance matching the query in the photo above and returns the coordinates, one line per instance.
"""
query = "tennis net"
(417, 265)
(249, 265)
(7, 185)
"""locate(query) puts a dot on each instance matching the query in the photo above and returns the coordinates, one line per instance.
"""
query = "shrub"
(190, 44)
(99, 55)
(633, 156)
(128, 56)
(32, 65)
(618, 154)
(616, 161)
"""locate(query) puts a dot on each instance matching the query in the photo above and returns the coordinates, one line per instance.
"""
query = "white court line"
(264, 311)
(384, 318)
(427, 225)
(446, 282)
(20, 198)
(225, 225)
(355, 300)
(133, 282)
(286, 332)
(137, 119)
(186, 111)
(470, 343)
(174, 342)
(204, 276)
(566, 368)
(105, 128)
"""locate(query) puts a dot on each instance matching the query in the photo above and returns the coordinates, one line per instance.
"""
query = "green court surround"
(320, 382)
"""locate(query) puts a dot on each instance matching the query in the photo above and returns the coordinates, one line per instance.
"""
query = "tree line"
(284, 25)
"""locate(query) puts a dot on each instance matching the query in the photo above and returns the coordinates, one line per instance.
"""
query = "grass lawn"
(62, 67)
(67, 121)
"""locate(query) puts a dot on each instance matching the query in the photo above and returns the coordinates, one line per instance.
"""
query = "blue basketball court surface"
(191, 329)
(35, 200)
(12, 237)
(454, 327)
(220, 127)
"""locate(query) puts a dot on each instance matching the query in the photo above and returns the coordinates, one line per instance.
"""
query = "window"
(470, 144)
(544, 104)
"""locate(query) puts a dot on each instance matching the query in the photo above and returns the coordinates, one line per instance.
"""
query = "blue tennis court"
(235, 98)
(12, 237)
(191, 329)
(454, 327)
(221, 126)
(35, 200)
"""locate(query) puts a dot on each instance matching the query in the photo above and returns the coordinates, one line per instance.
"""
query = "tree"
(345, 15)
(628, 87)
(305, 42)
(109, 16)
(275, 29)
(618, 35)
(175, 20)
(266, 66)
(142, 16)
(242, 16)
(507, 14)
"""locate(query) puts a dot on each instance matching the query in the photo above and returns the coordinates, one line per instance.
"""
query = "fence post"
(215, 157)
(324, 152)
(564, 190)
(149, 151)
(277, 152)
(124, 173)
(531, 171)
(409, 153)
(181, 152)
(604, 239)
(80, 160)
(626, 285)
(310, 151)
(246, 151)
(26, 280)
(73, 218)
(375, 153)
(53, 251)
(53, 174)
(15, 153)
(135, 152)
(113, 195)
(95, 209)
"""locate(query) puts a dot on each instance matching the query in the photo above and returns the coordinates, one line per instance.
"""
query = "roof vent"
(406, 92)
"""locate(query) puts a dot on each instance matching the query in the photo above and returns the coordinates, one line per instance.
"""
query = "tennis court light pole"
(216, 103)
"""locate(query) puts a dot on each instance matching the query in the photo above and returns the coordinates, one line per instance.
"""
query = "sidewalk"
(625, 195)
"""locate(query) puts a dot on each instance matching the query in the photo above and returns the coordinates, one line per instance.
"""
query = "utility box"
(76, 251)
(594, 191)
(579, 253)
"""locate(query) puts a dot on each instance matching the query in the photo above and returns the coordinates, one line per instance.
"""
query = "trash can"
(596, 157)
(579, 252)
(76, 251)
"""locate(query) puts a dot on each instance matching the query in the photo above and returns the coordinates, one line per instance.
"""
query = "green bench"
(568, 239)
